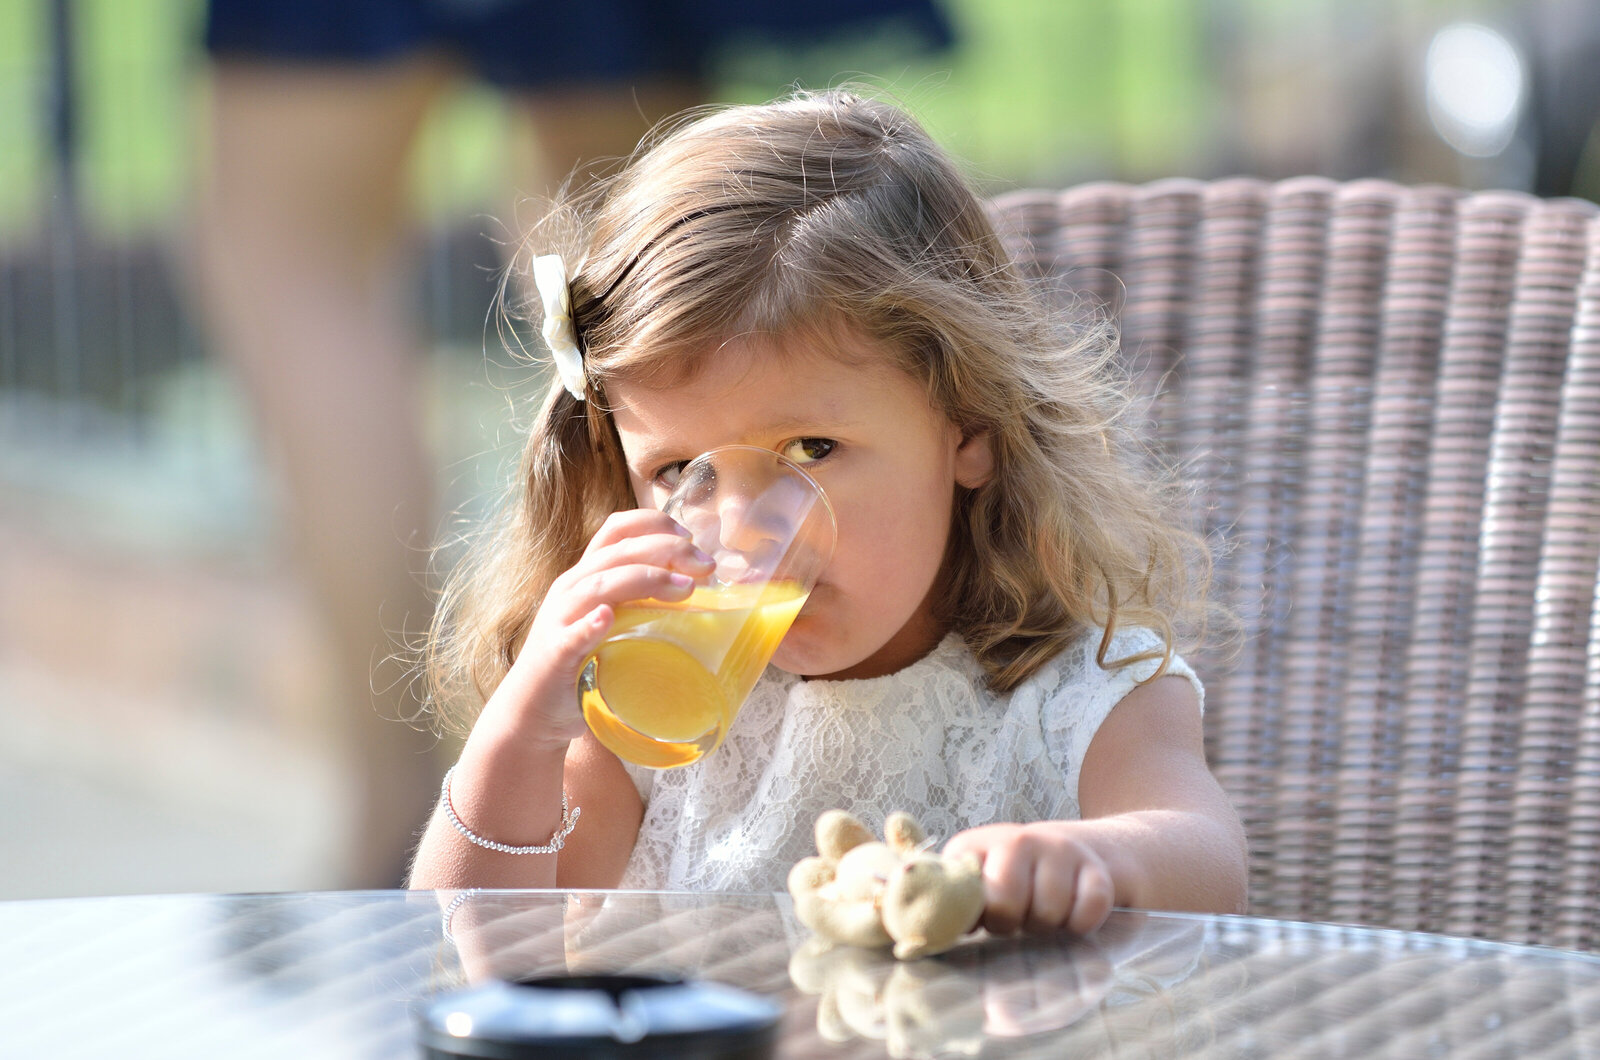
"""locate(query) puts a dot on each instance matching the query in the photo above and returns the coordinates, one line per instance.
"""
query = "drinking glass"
(665, 685)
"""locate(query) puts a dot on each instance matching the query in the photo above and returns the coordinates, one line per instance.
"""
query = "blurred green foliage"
(22, 146)
(1035, 90)
(135, 61)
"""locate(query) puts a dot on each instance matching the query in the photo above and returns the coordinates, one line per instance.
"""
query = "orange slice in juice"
(658, 689)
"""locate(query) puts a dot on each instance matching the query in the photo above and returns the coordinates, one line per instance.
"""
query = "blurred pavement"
(145, 741)
(164, 691)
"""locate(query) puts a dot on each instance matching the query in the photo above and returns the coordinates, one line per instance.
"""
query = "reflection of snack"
(952, 1005)
(929, 1011)
(920, 1009)
(863, 892)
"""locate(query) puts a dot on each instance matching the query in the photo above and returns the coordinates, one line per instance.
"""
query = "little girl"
(991, 647)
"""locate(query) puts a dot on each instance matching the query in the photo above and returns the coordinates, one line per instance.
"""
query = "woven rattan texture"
(1390, 400)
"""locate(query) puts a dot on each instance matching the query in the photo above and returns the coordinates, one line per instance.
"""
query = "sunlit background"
(164, 686)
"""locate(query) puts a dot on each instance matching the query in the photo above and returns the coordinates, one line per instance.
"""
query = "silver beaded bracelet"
(569, 820)
(449, 914)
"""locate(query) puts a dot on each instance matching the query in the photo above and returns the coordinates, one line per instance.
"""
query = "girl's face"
(889, 461)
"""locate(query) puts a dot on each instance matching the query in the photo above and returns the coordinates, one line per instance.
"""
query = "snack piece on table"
(861, 891)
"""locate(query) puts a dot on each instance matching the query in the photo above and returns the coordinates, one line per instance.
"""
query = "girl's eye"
(808, 450)
(667, 476)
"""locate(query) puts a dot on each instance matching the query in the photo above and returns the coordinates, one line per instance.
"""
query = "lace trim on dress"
(930, 739)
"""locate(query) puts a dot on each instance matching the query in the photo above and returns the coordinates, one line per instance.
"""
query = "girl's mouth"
(809, 608)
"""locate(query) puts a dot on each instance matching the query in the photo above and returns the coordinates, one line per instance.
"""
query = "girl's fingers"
(1037, 882)
(633, 523)
(1006, 890)
(584, 636)
(636, 581)
(631, 568)
(633, 571)
(572, 648)
(539, 693)
(663, 550)
(1095, 895)
(1055, 893)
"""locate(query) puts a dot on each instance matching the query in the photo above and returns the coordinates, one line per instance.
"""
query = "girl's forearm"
(1172, 859)
(502, 792)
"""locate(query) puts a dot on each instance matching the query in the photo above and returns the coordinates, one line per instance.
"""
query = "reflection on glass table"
(343, 974)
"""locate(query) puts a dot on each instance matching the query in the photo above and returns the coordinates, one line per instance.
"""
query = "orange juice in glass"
(664, 687)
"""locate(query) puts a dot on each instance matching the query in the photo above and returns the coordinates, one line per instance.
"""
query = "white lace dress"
(930, 739)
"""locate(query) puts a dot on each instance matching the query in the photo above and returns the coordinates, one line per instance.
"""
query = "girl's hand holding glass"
(664, 687)
(635, 554)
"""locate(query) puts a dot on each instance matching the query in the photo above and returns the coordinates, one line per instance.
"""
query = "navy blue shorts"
(531, 44)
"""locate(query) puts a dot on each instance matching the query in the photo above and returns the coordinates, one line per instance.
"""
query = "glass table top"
(343, 974)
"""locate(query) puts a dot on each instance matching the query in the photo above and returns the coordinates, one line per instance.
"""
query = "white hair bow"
(560, 334)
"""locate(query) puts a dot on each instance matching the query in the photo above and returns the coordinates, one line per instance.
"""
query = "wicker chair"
(1391, 397)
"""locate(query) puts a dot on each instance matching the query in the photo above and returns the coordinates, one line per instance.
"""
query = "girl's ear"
(974, 460)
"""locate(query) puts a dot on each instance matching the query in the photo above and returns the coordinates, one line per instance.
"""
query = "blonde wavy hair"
(823, 210)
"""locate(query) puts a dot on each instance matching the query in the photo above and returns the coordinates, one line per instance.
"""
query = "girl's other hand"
(635, 554)
(1038, 877)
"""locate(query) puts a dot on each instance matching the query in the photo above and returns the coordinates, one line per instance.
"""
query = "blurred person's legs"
(303, 218)
(307, 295)
(592, 127)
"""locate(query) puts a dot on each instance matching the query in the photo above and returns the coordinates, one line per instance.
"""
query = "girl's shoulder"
(1068, 698)
(1075, 675)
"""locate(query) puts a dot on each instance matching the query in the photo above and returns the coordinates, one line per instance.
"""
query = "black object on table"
(585, 1017)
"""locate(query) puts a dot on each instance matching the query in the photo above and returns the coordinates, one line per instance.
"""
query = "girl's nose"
(751, 540)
